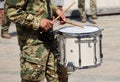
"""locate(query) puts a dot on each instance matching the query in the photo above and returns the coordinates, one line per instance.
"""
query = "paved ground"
(107, 72)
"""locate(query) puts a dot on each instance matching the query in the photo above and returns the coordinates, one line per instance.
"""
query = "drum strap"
(47, 36)
(49, 9)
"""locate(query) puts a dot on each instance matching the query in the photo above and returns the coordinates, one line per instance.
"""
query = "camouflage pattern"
(62, 73)
(93, 7)
(37, 62)
(5, 23)
(36, 58)
(81, 6)
(28, 12)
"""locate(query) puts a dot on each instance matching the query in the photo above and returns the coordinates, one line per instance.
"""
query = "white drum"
(80, 47)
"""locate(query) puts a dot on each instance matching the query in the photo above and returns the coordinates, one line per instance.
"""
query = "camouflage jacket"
(26, 14)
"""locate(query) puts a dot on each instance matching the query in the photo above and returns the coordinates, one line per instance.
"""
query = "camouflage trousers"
(81, 6)
(38, 62)
(5, 23)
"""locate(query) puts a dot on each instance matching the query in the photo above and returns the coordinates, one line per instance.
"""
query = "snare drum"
(80, 47)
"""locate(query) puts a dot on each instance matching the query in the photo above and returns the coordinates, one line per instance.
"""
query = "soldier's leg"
(81, 6)
(93, 9)
(62, 73)
(51, 68)
(33, 60)
(5, 27)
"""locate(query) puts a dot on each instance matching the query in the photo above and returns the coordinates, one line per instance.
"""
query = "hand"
(62, 17)
(46, 24)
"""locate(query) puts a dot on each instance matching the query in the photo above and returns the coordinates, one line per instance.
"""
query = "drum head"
(78, 30)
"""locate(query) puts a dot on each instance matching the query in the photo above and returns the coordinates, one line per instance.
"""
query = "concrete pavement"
(107, 72)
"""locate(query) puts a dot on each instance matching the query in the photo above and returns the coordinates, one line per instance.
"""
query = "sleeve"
(54, 8)
(15, 10)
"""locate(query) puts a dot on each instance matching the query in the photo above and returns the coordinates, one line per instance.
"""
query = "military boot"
(83, 19)
(62, 73)
(94, 16)
(5, 34)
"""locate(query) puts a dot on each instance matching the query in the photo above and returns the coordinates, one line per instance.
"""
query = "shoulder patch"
(12, 2)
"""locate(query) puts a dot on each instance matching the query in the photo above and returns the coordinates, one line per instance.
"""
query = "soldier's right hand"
(45, 24)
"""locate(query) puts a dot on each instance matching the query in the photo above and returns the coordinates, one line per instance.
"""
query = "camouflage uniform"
(37, 59)
(81, 6)
(5, 23)
(5, 26)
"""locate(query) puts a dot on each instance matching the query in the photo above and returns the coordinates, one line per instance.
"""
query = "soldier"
(37, 58)
(93, 9)
(5, 26)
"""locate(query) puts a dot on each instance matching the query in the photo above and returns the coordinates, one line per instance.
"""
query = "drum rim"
(78, 34)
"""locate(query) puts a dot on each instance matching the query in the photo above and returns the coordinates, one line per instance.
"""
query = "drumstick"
(74, 24)
(60, 15)
(63, 12)
(67, 21)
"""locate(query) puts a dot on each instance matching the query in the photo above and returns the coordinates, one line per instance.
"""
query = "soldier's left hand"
(62, 17)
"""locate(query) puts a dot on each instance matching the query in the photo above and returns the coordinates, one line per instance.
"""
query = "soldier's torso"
(37, 8)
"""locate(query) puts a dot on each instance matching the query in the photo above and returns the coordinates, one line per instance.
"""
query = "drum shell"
(82, 50)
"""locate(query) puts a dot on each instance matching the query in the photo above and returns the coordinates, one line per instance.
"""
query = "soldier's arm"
(17, 14)
(58, 11)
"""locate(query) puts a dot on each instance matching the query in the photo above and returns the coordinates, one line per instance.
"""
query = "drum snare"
(80, 47)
